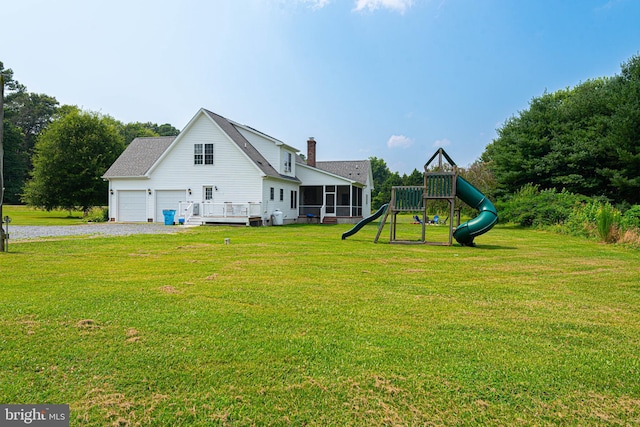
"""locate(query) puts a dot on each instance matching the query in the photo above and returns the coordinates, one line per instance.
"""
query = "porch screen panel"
(343, 200)
(356, 201)
(311, 200)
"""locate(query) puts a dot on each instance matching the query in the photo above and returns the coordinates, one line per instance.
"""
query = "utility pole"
(2, 238)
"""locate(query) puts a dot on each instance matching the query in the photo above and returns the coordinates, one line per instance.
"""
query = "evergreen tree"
(585, 140)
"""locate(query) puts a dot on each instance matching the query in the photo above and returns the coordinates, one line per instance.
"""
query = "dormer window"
(287, 162)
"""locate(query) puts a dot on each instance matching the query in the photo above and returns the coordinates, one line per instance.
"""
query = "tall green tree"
(71, 155)
(381, 174)
(134, 130)
(26, 115)
(15, 163)
(31, 112)
(131, 131)
(414, 178)
(481, 176)
(584, 140)
(379, 169)
(624, 137)
(163, 130)
(2, 232)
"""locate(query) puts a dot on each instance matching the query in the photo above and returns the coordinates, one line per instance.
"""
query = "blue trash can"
(169, 215)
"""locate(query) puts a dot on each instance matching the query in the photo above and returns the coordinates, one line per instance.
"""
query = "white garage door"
(168, 199)
(132, 206)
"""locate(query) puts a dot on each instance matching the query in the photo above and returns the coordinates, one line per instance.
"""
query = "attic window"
(202, 154)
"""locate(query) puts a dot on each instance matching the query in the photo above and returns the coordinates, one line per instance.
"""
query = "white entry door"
(330, 200)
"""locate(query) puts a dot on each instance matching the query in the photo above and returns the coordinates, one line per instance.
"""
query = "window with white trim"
(282, 194)
(208, 154)
(197, 154)
(202, 154)
(287, 162)
(208, 193)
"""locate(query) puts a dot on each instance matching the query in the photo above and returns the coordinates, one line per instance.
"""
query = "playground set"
(440, 184)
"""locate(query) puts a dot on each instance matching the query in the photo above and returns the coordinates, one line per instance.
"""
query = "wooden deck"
(225, 220)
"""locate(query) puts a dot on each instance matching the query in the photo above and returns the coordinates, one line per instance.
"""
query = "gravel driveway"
(21, 232)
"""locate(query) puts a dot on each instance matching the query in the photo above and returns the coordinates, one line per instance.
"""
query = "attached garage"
(168, 199)
(132, 206)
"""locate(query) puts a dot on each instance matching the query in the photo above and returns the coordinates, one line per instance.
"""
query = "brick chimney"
(311, 152)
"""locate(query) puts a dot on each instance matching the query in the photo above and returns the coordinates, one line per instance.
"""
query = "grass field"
(24, 215)
(293, 326)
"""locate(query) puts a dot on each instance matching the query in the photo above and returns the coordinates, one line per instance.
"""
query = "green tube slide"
(365, 221)
(467, 231)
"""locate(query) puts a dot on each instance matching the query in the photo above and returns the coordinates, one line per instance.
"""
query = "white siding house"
(220, 171)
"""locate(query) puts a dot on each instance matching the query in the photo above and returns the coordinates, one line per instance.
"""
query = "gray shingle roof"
(355, 170)
(138, 157)
(244, 145)
(143, 153)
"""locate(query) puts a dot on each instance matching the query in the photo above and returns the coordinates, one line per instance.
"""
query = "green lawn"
(292, 325)
(25, 215)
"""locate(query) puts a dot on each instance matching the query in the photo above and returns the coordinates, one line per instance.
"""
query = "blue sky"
(394, 79)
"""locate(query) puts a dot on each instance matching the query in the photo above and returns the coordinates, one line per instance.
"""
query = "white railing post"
(185, 210)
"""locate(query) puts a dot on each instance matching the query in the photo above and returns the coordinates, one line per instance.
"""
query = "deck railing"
(314, 210)
(320, 211)
(231, 210)
(185, 210)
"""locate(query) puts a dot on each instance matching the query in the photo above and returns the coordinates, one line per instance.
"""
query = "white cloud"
(399, 141)
(311, 4)
(397, 5)
(444, 142)
(317, 4)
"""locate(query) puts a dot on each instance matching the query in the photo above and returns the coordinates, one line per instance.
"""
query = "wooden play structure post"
(439, 184)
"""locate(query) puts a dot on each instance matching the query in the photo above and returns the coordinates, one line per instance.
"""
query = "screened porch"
(338, 201)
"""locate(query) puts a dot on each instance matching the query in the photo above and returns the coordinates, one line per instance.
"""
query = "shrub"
(600, 220)
(608, 222)
(582, 220)
(97, 214)
(631, 217)
(531, 206)
(630, 237)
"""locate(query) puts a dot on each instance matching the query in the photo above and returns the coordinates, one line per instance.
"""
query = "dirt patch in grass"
(87, 324)
(168, 289)
(133, 335)
(117, 409)
(29, 323)
(385, 385)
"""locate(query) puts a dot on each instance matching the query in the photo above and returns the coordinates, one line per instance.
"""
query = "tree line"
(584, 140)
(54, 155)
